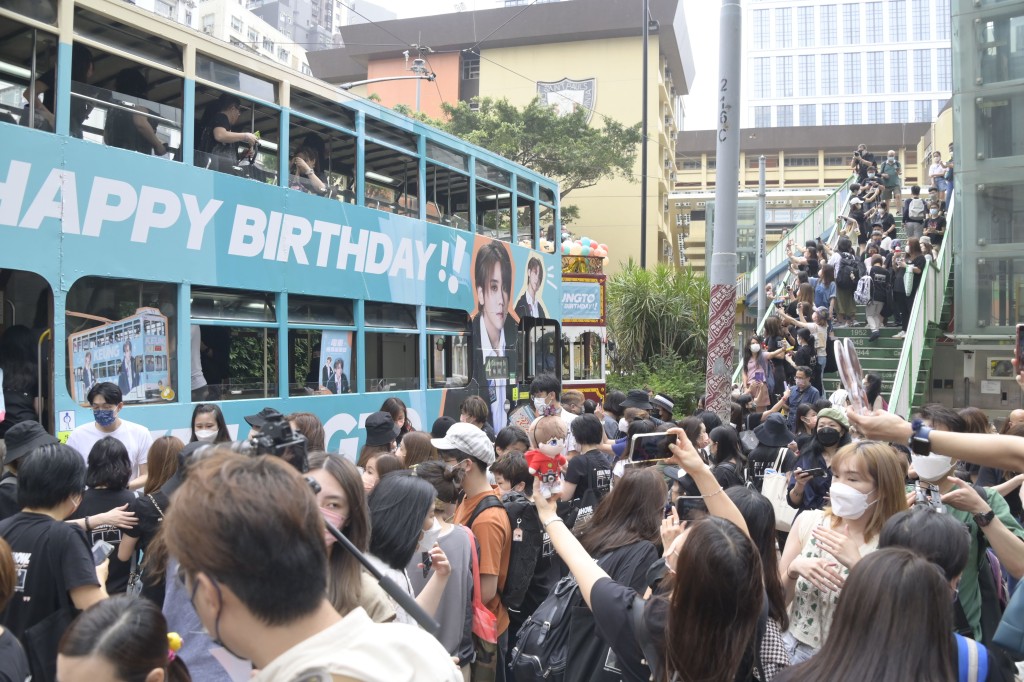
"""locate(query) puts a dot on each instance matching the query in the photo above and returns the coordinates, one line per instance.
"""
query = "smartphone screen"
(100, 551)
(649, 447)
(1020, 347)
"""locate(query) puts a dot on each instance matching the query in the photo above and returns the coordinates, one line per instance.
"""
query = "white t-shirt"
(135, 437)
(357, 647)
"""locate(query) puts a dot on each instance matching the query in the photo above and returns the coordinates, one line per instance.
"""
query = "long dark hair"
(223, 435)
(728, 449)
(109, 465)
(395, 407)
(715, 603)
(344, 582)
(130, 634)
(631, 512)
(398, 505)
(872, 638)
(759, 514)
(873, 388)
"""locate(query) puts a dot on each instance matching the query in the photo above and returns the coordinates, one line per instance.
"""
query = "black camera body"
(277, 438)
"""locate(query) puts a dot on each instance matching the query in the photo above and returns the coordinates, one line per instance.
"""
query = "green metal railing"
(926, 309)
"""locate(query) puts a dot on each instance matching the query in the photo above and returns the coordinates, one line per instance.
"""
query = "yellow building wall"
(610, 210)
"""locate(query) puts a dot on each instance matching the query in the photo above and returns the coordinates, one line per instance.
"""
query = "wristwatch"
(920, 442)
(984, 519)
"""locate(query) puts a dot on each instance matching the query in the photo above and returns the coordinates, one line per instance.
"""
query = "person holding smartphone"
(812, 478)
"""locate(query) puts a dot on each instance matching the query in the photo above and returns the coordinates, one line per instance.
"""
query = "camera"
(276, 437)
(928, 495)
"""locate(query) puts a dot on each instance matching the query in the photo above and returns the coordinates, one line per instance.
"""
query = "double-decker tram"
(195, 224)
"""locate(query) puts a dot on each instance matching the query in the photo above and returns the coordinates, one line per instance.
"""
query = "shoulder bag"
(135, 570)
(485, 623)
(776, 488)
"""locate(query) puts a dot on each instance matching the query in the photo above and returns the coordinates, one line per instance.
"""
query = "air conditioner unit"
(808, 202)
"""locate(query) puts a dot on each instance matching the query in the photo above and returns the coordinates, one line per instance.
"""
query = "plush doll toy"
(547, 461)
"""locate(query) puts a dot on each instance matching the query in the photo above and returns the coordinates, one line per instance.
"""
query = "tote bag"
(775, 488)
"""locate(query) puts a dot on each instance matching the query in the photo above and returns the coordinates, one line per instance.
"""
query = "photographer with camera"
(249, 536)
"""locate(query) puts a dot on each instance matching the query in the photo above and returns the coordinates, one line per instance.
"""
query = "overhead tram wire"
(510, 20)
(371, 21)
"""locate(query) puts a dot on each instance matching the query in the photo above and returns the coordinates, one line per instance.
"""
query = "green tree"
(565, 148)
(658, 318)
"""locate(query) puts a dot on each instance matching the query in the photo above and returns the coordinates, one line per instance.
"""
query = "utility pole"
(762, 246)
(419, 67)
(723, 261)
(643, 140)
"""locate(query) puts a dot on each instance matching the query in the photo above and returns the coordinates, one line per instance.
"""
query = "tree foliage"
(565, 148)
(658, 318)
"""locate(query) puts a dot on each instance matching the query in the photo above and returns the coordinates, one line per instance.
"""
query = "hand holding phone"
(100, 551)
(651, 447)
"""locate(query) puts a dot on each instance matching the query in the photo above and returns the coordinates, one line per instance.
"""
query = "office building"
(228, 20)
(577, 53)
(830, 63)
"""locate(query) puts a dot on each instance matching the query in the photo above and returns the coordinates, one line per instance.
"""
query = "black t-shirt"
(96, 501)
(880, 283)
(918, 262)
(627, 566)
(206, 141)
(8, 496)
(149, 516)
(763, 457)
(728, 474)
(13, 662)
(52, 558)
(579, 469)
(20, 407)
(612, 604)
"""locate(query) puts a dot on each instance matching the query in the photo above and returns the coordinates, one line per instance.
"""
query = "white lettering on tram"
(276, 236)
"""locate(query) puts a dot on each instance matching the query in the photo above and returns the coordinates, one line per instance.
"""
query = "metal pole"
(762, 247)
(643, 142)
(419, 82)
(723, 261)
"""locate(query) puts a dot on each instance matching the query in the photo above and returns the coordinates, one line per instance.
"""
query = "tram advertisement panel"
(131, 353)
(336, 352)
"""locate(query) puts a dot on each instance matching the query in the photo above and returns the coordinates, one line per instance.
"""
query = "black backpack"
(850, 271)
(542, 645)
(527, 543)
(579, 511)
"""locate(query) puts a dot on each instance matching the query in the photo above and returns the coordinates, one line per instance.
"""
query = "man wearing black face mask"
(813, 474)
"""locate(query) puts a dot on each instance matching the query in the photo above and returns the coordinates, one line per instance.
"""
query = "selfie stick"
(403, 598)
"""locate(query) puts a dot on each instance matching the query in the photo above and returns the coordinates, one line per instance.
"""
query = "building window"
(923, 111)
(943, 69)
(829, 74)
(942, 19)
(801, 160)
(762, 117)
(837, 161)
(829, 114)
(876, 72)
(268, 45)
(876, 112)
(254, 36)
(898, 70)
(784, 116)
(852, 80)
(897, 21)
(784, 77)
(920, 20)
(873, 19)
(853, 113)
(470, 68)
(827, 24)
(807, 88)
(689, 164)
(851, 23)
(188, 18)
(208, 20)
(783, 27)
(762, 29)
(282, 54)
(899, 112)
(808, 116)
(762, 76)
(805, 26)
(922, 70)
(236, 24)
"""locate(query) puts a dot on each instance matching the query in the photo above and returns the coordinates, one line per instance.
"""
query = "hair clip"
(173, 645)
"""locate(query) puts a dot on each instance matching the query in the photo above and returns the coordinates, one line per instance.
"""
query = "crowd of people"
(445, 554)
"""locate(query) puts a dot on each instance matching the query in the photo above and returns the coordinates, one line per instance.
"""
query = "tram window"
(43, 86)
(321, 362)
(236, 136)
(547, 195)
(392, 180)
(252, 366)
(131, 107)
(542, 347)
(26, 313)
(40, 10)
(402, 139)
(493, 211)
(209, 303)
(329, 153)
(547, 224)
(492, 174)
(389, 315)
(525, 210)
(234, 78)
(524, 186)
(122, 331)
(392, 362)
(447, 156)
(448, 348)
(586, 356)
(322, 109)
(127, 37)
(448, 194)
(320, 310)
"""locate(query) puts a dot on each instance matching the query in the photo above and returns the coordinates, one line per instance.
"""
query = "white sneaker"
(901, 335)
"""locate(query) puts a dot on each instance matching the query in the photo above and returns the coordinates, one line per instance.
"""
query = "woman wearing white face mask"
(208, 425)
(758, 381)
(824, 544)
(402, 517)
